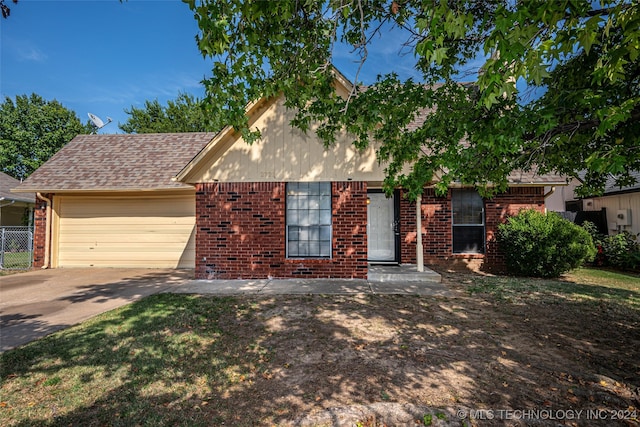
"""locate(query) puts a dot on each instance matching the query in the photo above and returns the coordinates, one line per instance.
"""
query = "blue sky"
(103, 56)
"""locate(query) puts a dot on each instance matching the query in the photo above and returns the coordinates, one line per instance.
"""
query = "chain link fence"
(16, 248)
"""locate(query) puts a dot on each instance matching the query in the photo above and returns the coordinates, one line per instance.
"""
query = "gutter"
(8, 204)
(47, 232)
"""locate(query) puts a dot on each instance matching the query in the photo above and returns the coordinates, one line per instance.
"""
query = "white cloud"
(32, 54)
(24, 50)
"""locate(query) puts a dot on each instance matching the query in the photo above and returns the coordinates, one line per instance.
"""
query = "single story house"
(16, 209)
(282, 207)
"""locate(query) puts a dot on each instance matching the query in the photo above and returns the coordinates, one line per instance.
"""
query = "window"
(308, 220)
(468, 222)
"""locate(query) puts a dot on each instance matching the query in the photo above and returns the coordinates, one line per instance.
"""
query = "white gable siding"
(285, 154)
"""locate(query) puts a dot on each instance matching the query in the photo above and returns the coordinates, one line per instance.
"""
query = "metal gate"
(16, 248)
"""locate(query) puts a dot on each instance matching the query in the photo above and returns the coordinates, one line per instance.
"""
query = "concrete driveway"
(36, 303)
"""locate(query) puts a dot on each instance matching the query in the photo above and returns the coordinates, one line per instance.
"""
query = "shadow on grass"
(187, 360)
(506, 287)
(97, 292)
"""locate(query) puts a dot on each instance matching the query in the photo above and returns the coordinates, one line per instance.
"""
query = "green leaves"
(184, 114)
(543, 245)
(32, 130)
(558, 92)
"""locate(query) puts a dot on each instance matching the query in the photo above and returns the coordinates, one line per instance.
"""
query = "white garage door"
(153, 232)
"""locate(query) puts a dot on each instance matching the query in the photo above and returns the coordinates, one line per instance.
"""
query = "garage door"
(154, 232)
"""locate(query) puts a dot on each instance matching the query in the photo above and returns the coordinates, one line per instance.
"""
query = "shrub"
(539, 245)
(620, 250)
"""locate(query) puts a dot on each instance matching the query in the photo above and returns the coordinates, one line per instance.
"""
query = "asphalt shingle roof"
(7, 183)
(612, 188)
(118, 162)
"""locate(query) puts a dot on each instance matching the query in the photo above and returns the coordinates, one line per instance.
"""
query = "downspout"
(47, 230)
(419, 250)
(548, 193)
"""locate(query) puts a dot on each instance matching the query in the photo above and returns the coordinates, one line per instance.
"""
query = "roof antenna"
(97, 122)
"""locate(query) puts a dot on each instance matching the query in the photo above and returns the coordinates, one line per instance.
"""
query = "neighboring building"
(16, 209)
(562, 198)
(622, 206)
(618, 207)
(281, 207)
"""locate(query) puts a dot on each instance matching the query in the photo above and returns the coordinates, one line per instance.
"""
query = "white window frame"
(308, 214)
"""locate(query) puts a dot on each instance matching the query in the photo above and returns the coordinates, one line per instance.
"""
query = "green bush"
(620, 251)
(539, 245)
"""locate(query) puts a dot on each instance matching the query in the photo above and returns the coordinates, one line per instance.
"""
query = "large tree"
(558, 88)
(184, 114)
(32, 130)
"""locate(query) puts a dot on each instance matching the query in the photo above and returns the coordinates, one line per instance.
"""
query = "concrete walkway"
(310, 286)
(383, 279)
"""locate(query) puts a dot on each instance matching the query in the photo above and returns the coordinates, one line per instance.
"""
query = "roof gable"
(195, 170)
(118, 162)
(282, 153)
(287, 154)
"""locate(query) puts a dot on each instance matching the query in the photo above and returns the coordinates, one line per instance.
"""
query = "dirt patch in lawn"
(498, 352)
(472, 353)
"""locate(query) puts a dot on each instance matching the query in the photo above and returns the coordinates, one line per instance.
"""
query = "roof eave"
(184, 188)
(202, 154)
(25, 199)
(538, 184)
(189, 167)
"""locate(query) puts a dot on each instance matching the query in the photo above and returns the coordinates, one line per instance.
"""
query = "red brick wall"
(39, 235)
(437, 226)
(498, 209)
(240, 233)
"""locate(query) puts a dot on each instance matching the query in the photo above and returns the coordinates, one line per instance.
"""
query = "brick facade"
(498, 209)
(240, 232)
(39, 235)
(437, 226)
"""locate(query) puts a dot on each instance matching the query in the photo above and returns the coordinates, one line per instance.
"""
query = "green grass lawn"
(17, 260)
(188, 360)
(609, 278)
(142, 364)
(585, 284)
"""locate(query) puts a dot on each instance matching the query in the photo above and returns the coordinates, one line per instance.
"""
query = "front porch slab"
(401, 273)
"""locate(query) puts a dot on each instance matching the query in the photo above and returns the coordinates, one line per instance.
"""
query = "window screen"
(309, 220)
(468, 221)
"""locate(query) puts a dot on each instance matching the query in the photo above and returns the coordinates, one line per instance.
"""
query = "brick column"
(39, 235)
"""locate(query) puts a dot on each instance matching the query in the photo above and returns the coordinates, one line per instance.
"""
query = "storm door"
(383, 227)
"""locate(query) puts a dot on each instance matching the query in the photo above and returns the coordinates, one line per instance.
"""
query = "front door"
(383, 234)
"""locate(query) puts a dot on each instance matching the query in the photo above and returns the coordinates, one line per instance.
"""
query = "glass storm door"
(382, 228)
